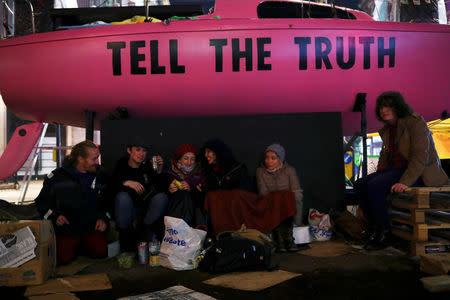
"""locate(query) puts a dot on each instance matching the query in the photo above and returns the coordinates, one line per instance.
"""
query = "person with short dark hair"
(139, 196)
(71, 199)
(408, 158)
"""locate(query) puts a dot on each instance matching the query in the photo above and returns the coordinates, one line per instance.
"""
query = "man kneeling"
(71, 199)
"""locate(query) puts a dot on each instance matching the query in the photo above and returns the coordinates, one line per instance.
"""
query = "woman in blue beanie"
(276, 174)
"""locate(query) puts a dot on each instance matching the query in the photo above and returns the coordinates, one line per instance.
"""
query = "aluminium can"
(143, 253)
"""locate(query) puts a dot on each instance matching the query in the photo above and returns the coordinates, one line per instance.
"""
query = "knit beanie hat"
(278, 149)
(181, 150)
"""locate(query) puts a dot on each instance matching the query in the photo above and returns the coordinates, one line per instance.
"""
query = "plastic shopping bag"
(320, 225)
(181, 245)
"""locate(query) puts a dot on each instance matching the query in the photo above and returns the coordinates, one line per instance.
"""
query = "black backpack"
(232, 253)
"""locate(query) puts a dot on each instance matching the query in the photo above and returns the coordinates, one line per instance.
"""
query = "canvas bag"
(181, 245)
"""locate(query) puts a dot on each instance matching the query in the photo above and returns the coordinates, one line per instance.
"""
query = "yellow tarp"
(441, 136)
(136, 19)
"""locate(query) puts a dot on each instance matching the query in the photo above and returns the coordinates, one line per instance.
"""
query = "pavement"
(12, 195)
(356, 274)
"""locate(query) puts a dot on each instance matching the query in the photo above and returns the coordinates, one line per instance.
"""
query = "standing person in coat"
(223, 171)
(71, 199)
(139, 196)
(186, 181)
(277, 175)
(408, 158)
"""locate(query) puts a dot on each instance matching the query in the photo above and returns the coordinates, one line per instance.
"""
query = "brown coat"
(282, 180)
(415, 143)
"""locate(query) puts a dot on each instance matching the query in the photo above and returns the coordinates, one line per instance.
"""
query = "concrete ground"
(384, 274)
(358, 274)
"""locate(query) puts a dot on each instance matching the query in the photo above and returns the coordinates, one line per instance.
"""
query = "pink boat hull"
(55, 77)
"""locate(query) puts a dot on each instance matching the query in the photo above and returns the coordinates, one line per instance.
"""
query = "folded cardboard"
(435, 263)
(37, 270)
(437, 283)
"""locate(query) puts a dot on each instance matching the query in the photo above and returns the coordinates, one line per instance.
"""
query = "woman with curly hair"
(408, 158)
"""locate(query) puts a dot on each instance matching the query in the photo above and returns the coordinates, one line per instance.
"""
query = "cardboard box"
(37, 270)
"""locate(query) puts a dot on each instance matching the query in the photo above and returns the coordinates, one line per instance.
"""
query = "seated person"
(277, 175)
(71, 199)
(222, 170)
(139, 198)
(408, 157)
(186, 182)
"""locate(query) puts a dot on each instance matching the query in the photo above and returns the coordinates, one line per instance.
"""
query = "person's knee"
(160, 200)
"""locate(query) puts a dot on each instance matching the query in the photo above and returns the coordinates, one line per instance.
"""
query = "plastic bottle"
(154, 247)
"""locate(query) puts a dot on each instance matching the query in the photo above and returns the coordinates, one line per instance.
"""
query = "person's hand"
(173, 188)
(135, 186)
(199, 187)
(185, 186)
(61, 220)
(398, 187)
(160, 162)
(100, 225)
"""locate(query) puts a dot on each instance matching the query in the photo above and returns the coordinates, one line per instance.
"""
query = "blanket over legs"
(229, 209)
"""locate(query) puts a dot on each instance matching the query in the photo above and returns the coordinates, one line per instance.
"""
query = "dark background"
(313, 143)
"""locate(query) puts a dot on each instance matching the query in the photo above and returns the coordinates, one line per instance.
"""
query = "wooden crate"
(419, 213)
(423, 197)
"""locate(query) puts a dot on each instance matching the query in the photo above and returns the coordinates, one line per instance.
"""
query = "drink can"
(143, 253)
(155, 163)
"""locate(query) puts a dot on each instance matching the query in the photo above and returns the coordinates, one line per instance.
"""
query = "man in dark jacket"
(71, 199)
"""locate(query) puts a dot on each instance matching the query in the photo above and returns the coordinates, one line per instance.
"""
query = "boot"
(279, 245)
(287, 235)
(379, 240)
(127, 240)
(146, 232)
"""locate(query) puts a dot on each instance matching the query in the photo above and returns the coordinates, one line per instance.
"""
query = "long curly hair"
(395, 101)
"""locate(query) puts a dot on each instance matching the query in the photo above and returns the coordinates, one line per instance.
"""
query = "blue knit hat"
(278, 149)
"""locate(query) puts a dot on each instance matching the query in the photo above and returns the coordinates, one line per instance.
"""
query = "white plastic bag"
(181, 245)
(320, 225)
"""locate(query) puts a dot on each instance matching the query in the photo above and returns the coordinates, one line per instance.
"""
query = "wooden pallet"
(418, 248)
(420, 212)
(423, 197)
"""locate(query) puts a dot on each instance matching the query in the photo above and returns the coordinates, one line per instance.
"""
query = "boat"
(243, 57)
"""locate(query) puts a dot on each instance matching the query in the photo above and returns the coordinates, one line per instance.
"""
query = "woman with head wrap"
(276, 174)
(222, 170)
(186, 182)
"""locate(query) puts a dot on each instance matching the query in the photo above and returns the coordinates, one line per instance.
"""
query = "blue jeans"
(373, 191)
(126, 212)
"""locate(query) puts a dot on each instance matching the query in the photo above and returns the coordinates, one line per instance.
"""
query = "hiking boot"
(127, 240)
(291, 247)
(279, 245)
(379, 240)
(286, 233)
